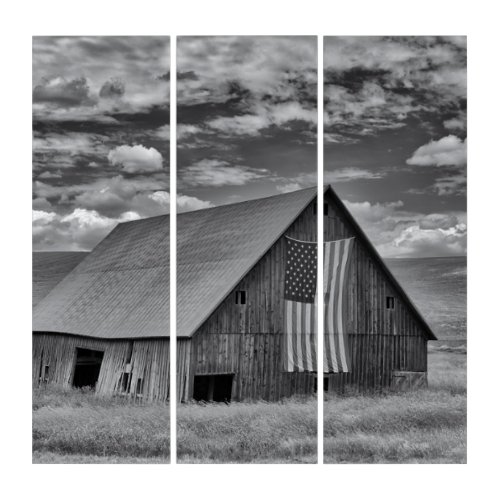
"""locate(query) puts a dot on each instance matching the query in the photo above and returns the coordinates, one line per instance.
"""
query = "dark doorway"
(213, 388)
(87, 367)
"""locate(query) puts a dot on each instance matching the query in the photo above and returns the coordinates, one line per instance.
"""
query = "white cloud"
(288, 188)
(263, 65)
(212, 172)
(456, 123)
(71, 143)
(415, 241)
(375, 83)
(134, 159)
(50, 175)
(397, 232)
(188, 203)
(310, 179)
(139, 62)
(79, 230)
(449, 150)
(240, 124)
(184, 203)
(59, 91)
(451, 185)
(262, 117)
(83, 228)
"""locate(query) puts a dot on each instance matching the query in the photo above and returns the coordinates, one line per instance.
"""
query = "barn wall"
(184, 370)
(248, 340)
(376, 359)
(254, 359)
(148, 360)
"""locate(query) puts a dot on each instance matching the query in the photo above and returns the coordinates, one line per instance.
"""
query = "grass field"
(424, 426)
(73, 426)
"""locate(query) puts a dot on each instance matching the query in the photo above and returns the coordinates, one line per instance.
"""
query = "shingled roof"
(121, 289)
(49, 268)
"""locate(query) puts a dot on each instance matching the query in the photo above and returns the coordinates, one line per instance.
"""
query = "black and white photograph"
(394, 246)
(100, 249)
(247, 153)
(395, 155)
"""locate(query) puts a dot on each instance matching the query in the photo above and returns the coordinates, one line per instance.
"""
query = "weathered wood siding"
(148, 360)
(381, 340)
(248, 341)
(375, 358)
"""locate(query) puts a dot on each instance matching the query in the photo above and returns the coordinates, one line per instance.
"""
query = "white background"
(477, 20)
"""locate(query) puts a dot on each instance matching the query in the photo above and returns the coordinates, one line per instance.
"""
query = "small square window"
(240, 297)
(389, 302)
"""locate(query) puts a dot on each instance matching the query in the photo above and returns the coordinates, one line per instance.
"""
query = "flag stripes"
(301, 306)
(336, 355)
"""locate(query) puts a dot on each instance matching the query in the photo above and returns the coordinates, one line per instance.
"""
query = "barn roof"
(121, 289)
(49, 268)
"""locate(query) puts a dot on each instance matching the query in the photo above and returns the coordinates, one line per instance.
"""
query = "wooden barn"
(106, 323)
(230, 305)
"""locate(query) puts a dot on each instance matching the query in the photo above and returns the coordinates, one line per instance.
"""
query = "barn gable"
(371, 273)
(217, 247)
(338, 224)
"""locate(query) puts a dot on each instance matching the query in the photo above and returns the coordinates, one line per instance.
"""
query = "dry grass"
(424, 426)
(259, 432)
(74, 426)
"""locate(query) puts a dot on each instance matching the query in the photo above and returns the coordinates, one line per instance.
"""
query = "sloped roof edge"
(248, 268)
(427, 329)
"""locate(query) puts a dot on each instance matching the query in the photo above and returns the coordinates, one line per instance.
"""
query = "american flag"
(301, 306)
(336, 354)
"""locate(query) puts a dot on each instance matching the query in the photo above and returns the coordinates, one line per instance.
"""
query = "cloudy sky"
(396, 138)
(395, 132)
(100, 136)
(247, 117)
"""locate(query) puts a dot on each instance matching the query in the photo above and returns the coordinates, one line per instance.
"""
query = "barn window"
(87, 367)
(125, 383)
(240, 297)
(215, 388)
(325, 384)
(45, 374)
(139, 387)
(389, 302)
